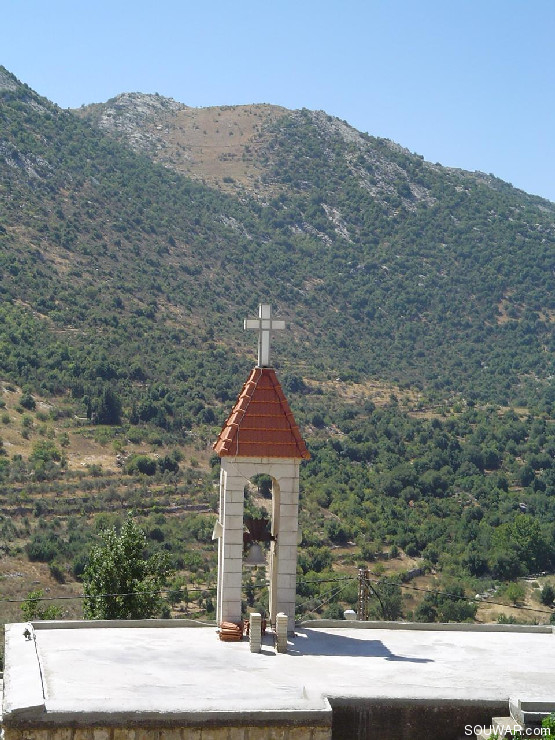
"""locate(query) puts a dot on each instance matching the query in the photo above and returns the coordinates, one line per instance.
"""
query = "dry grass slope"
(216, 145)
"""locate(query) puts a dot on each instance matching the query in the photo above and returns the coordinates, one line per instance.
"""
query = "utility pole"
(365, 588)
(363, 594)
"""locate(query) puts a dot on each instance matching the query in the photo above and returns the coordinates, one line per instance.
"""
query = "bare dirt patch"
(18, 577)
(218, 145)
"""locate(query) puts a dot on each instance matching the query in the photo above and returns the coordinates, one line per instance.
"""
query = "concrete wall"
(389, 719)
(271, 732)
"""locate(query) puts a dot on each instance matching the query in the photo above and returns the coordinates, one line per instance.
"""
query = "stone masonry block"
(286, 605)
(289, 479)
(287, 595)
(233, 508)
(288, 552)
(214, 733)
(233, 537)
(242, 470)
(291, 622)
(284, 468)
(233, 550)
(288, 510)
(129, 733)
(286, 581)
(233, 521)
(11, 734)
(288, 524)
(302, 733)
(239, 733)
(232, 580)
(281, 632)
(272, 733)
(288, 497)
(173, 733)
(62, 733)
(236, 496)
(32, 734)
(287, 538)
(233, 565)
(255, 636)
(280, 469)
(86, 733)
(231, 611)
(102, 733)
(192, 733)
(235, 483)
(287, 568)
(267, 733)
(321, 733)
(146, 733)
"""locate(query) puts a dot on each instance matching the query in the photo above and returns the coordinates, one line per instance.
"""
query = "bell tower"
(259, 436)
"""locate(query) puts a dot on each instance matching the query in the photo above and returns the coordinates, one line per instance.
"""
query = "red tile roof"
(261, 423)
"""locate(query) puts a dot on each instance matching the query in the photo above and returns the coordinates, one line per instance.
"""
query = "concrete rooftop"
(68, 670)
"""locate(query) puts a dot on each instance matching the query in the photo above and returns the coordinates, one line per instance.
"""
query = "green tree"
(45, 451)
(547, 595)
(523, 539)
(119, 580)
(515, 592)
(388, 605)
(446, 606)
(105, 408)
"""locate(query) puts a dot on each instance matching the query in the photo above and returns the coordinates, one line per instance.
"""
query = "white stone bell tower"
(259, 436)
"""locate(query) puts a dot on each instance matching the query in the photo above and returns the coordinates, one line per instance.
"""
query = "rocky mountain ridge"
(189, 139)
(387, 267)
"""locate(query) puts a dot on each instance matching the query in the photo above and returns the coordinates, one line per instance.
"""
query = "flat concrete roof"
(72, 672)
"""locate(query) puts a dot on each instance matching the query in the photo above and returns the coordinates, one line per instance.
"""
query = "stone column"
(230, 549)
(282, 628)
(255, 632)
(285, 527)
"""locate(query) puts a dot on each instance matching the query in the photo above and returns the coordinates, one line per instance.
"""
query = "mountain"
(136, 235)
(135, 238)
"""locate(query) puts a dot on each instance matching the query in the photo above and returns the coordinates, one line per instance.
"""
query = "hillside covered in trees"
(420, 305)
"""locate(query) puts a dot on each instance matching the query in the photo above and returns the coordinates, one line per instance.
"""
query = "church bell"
(255, 556)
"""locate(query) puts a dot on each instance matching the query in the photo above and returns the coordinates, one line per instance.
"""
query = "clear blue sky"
(467, 83)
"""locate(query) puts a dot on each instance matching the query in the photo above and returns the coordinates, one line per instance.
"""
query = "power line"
(168, 591)
(333, 595)
(101, 596)
(345, 579)
(458, 597)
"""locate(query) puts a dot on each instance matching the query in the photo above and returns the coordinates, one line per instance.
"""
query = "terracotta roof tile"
(261, 423)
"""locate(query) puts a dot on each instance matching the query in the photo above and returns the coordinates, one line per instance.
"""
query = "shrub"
(28, 402)
(32, 609)
(141, 464)
(57, 572)
(515, 592)
(547, 595)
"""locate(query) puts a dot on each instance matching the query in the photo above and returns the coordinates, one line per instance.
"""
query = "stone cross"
(264, 324)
